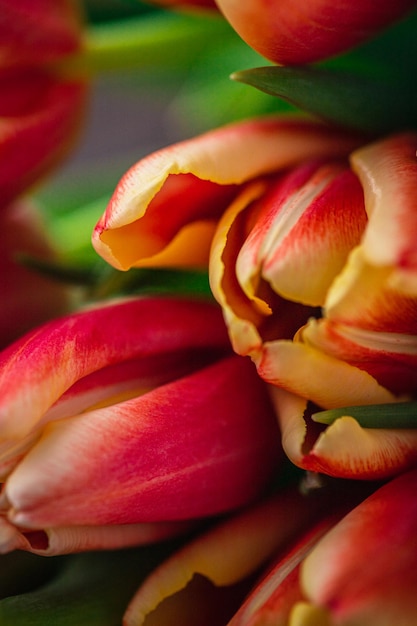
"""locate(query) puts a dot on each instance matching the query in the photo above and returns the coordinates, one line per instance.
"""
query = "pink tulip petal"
(225, 555)
(39, 368)
(343, 449)
(161, 456)
(388, 172)
(12, 452)
(72, 539)
(364, 571)
(293, 32)
(227, 156)
(105, 387)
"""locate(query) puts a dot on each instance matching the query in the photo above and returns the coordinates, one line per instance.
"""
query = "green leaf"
(89, 589)
(358, 102)
(112, 282)
(158, 39)
(60, 272)
(392, 415)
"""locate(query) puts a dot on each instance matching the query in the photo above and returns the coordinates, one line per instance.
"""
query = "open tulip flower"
(310, 238)
(292, 32)
(41, 108)
(122, 423)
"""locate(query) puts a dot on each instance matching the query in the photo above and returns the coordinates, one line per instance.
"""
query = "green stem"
(160, 40)
(391, 415)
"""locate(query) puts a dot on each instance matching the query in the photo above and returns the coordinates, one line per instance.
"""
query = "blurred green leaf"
(162, 39)
(105, 10)
(90, 589)
(151, 281)
(370, 88)
(21, 572)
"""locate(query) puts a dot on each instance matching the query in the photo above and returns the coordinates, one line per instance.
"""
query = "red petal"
(40, 117)
(364, 571)
(38, 31)
(294, 31)
(39, 368)
(200, 445)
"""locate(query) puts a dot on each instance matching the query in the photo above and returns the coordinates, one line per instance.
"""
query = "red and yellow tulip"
(41, 108)
(309, 236)
(121, 423)
(294, 32)
(325, 561)
(292, 560)
(362, 570)
(211, 575)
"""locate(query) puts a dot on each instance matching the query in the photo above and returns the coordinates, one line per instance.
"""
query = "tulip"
(29, 298)
(122, 423)
(292, 33)
(310, 238)
(362, 570)
(41, 108)
(210, 575)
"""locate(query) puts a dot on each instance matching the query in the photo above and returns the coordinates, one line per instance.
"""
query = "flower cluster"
(243, 455)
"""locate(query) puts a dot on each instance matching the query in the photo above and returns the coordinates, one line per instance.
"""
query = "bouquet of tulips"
(208, 349)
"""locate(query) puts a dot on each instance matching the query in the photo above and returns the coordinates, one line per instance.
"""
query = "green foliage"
(370, 89)
(391, 415)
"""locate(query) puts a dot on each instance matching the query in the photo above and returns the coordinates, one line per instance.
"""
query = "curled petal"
(388, 172)
(295, 32)
(72, 539)
(242, 315)
(380, 532)
(322, 378)
(390, 358)
(40, 367)
(363, 296)
(157, 457)
(283, 238)
(10, 537)
(140, 211)
(344, 449)
(303, 231)
(225, 555)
